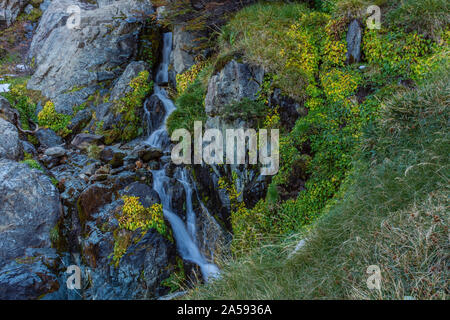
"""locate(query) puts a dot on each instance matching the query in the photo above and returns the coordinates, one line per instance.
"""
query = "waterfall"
(184, 235)
(159, 137)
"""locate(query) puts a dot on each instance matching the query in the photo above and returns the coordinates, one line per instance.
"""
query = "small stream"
(184, 234)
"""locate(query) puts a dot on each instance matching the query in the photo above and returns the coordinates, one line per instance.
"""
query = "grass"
(259, 32)
(392, 212)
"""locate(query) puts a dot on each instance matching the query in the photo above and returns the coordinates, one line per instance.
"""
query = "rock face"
(235, 82)
(10, 145)
(77, 59)
(182, 56)
(122, 86)
(10, 9)
(354, 36)
(29, 209)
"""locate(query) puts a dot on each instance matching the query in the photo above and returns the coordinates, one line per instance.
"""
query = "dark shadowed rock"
(48, 138)
(6, 111)
(147, 196)
(83, 140)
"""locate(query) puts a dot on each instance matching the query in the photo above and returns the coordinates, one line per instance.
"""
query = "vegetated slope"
(393, 213)
(373, 150)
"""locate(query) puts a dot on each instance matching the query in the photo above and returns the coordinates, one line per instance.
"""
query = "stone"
(354, 37)
(29, 209)
(48, 138)
(82, 141)
(10, 10)
(235, 82)
(6, 111)
(95, 51)
(122, 85)
(147, 196)
(147, 153)
(10, 145)
(182, 56)
(56, 152)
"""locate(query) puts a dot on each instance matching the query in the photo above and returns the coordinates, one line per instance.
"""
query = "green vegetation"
(392, 212)
(134, 216)
(370, 156)
(190, 107)
(58, 122)
(129, 108)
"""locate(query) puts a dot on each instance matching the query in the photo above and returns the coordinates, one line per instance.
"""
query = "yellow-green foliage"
(58, 122)
(129, 108)
(187, 78)
(338, 84)
(395, 52)
(136, 216)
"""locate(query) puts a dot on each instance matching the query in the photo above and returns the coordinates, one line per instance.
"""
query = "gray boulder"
(182, 56)
(48, 138)
(95, 51)
(10, 145)
(29, 209)
(122, 86)
(354, 37)
(235, 82)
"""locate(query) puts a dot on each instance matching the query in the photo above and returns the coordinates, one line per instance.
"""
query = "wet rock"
(156, 113)
(29, 209)
(147, 196)
(10, 145)
(354, 37)
(92, 199)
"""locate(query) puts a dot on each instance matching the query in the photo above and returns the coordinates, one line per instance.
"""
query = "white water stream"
(184, 234)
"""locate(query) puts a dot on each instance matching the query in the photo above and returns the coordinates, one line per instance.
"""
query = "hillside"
(176, 149)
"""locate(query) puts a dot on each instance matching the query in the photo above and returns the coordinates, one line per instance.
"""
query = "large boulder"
(10, 145)
(29, 209)
(183, 53)
(235, 82)
(72, 61)
(122, 85)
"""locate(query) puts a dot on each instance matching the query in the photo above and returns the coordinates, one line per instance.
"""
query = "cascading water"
(184, 235)
(159, 137)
